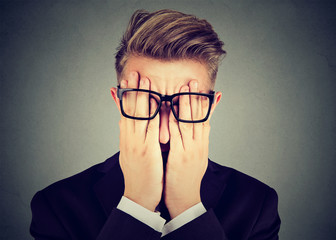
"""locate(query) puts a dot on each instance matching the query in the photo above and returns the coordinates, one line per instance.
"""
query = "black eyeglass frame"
(165, 98)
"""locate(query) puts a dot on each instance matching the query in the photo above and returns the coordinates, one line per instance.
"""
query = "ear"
(115, 97)
(218, 97)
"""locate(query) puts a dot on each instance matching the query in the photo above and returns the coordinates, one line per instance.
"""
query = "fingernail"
(195, 84)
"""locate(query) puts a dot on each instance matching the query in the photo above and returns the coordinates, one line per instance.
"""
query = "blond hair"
(170, 35)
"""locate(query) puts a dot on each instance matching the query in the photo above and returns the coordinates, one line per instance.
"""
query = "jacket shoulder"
(239, 180)
(79, 183)
(246, 206)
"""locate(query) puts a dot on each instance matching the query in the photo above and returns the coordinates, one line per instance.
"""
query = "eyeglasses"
(200, 104)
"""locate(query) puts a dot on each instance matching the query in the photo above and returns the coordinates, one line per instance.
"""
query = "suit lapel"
(213, 184)
(110, 188)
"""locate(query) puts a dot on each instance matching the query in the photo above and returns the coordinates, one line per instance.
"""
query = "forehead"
(167, 77)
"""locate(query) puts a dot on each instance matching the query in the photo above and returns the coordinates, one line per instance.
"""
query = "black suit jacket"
(84, 207)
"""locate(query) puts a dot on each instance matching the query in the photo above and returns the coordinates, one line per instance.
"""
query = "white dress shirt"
(155, 221)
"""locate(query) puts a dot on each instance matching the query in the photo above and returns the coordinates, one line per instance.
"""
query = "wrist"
(175, 208)
(144, 202)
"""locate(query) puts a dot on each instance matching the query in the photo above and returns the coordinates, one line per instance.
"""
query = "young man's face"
(168, 77)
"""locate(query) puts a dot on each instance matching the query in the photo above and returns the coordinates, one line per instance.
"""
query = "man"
(161, 184)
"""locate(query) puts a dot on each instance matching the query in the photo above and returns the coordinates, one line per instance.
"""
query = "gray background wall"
(276, 120)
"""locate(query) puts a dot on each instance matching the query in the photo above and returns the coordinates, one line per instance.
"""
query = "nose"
(164, 124)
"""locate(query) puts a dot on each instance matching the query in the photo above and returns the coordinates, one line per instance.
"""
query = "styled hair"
(170, 35)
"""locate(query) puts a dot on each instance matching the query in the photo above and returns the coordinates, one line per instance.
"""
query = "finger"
(133, 82)
(130, 100)
(184, 104)
(206, 124)
(122, 134)
(154, 124)
(186, 129)
(196, 109)
(124, 130)
(205, 105)
(125, 124)
(175, 134)
(142, 99)
(121, 127)
(142, 107)
(123, 84)
(205, 133)
(194, 100)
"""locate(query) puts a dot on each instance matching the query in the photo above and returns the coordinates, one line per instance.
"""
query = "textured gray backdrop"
(276, 120)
